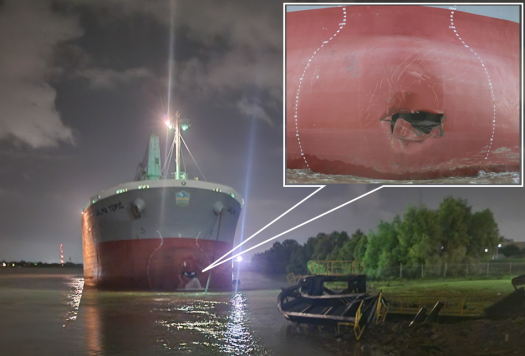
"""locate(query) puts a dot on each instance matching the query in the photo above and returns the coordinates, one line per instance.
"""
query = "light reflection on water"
(238, 340)
(76, 287)
(211, 327)
(35, 305)
(306, 176)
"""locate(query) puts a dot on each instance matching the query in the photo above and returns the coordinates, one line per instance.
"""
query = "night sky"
(83, 83)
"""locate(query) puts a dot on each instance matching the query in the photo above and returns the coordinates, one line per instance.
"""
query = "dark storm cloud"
(240, 45)
(29, 31)
(240, 48)
(101, 78)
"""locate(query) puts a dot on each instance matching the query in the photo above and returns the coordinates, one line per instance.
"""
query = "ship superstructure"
(159, 234)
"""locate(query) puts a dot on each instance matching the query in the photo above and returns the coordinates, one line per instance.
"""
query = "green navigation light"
(184, 127)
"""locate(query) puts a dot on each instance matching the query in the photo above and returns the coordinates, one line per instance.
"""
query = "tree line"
(450, 234)
(24, 264)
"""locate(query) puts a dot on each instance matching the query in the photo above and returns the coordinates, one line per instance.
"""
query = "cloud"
(158, 9)
(240, 52)
(29, 31)
(249, 59)
(252, 109)
(27, 152)
(240, 48)
(252, 23)
(100, 78)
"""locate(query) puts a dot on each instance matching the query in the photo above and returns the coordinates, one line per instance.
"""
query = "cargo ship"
(402, 92)
(157, 233)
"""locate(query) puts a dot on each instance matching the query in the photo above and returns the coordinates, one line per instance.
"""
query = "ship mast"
(177, 144)
(178, 127)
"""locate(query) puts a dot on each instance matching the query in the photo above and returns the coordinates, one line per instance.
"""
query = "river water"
(48, 312)
(306, 176)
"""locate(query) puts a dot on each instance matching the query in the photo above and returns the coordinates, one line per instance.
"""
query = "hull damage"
(401, 92)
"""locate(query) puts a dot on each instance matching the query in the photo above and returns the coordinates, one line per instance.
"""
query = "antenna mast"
(177, 153)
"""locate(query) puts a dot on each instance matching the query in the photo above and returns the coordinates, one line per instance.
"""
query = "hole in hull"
(422, 121)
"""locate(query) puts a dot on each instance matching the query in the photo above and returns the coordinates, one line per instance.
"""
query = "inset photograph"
(402, 94)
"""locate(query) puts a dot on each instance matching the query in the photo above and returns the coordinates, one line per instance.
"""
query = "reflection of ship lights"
(61, 255)
(237, 337)
(76, 286)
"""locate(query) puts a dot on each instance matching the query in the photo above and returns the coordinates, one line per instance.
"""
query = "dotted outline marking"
(296, 115)
(452, 26)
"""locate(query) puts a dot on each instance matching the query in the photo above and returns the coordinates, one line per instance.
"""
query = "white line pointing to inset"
(280, 216)
(293, 228)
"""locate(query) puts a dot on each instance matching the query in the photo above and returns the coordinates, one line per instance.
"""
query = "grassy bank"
(461, 297)
(485, 288)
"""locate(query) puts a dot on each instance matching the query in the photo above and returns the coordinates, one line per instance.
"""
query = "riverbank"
(473, 337)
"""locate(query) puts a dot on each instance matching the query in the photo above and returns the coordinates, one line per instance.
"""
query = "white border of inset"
(394, 4)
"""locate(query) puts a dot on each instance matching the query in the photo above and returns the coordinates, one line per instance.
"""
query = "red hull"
(350, 70)
(151, 265)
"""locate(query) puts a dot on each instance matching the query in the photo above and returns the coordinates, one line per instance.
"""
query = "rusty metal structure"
(312, 302)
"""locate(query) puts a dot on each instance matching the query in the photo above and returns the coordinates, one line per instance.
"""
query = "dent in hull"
(360, 78)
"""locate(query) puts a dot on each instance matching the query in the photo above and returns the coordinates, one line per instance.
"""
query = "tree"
(298, 262)
(339, 239)
(277, 258)
(360, 249)
(419, 235)
(347, 252)
(451, 235)
(324, 246)
(290, 244)
(454, 219)
(309, 247)
(510, 250)
(483, 234)
(383, 251)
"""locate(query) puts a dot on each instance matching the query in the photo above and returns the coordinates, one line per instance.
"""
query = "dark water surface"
(48, 312)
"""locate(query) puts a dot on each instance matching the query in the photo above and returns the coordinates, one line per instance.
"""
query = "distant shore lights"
(61, 255)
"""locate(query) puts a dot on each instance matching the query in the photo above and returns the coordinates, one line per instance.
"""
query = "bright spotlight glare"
(239, 259)
(184, 127)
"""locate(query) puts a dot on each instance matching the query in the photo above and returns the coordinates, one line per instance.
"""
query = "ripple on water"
(209, 327)
(306, 176)
(76, 287)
